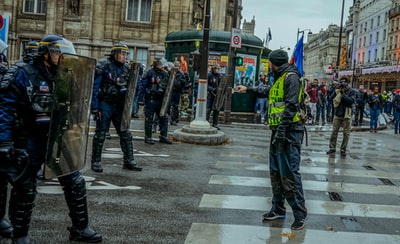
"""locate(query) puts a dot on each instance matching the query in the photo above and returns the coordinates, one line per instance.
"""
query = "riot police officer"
(5, 227)
(155, 82)
(213, 80)
(109, 90)
(25, 102)
(181, 86)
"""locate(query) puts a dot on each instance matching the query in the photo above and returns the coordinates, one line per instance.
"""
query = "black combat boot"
(97, 148)
(75, 196)
(21, 206)
(215, 119)
(148, 126)
(127, 149)
(5, 227)
(164, 139)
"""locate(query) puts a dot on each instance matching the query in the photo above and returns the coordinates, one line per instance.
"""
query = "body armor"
(115, 79)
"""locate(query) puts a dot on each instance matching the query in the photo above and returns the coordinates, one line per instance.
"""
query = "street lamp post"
(284, 47)
(340, 44)
(302, 31)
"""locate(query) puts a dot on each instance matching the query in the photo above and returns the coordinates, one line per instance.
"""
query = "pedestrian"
(213, 81)
(330, 109)
(312, 91)
(261, 100)
(155, 82)
(361, 100)
(396, 111)
(109, 91)
(375, 102)
(343, 101)
(321, 104)
(22, 103)
(287, 134)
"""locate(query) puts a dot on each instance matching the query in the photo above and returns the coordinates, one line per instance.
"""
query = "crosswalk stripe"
(313, 206)
(204, 233)
(307, 185)
(312, 170)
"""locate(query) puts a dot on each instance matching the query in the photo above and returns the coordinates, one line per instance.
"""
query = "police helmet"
(119, 47)
(31, 48)
(157, 61)
(215, 66)
(177, 64)
(55, 43)
(3, 46)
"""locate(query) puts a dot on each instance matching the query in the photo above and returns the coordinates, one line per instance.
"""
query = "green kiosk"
(184, 45)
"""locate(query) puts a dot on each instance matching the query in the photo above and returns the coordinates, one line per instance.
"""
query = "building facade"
(94, 26)
(374, 26)
(321, 52)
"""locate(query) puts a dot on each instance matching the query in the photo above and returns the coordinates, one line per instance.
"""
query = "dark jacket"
(347, 101)
(375, 101)
(291, 91)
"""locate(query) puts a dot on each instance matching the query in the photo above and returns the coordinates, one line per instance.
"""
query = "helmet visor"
(61, 46)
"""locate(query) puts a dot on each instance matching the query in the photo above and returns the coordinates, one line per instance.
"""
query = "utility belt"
(295, 127)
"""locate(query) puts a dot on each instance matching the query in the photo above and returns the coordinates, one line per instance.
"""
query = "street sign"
(236, 38)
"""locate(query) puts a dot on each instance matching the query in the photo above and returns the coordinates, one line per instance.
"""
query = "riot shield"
(129, 97)
(69, 127)
(221, 93)
(168, 91)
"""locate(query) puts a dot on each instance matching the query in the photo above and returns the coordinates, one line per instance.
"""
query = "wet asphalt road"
(162, 203)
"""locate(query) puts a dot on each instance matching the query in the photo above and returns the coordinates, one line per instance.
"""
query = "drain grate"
(387, 181)
(369, 167)
(334, 196)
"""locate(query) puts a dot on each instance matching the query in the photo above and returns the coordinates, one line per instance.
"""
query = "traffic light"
(196, 61)
(238, 61)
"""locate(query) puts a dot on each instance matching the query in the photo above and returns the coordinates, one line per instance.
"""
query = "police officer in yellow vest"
(287, 135)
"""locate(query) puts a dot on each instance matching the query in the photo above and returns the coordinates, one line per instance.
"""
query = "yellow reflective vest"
(276, 102)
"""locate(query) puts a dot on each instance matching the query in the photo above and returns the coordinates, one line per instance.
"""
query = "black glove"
(280, 135)
(96, 114)
(6, 150)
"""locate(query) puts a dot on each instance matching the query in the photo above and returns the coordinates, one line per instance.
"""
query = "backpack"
(305, 110)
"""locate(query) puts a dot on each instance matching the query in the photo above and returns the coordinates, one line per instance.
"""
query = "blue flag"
(297, 58)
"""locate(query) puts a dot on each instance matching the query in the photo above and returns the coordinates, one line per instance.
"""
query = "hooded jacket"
(291, 91)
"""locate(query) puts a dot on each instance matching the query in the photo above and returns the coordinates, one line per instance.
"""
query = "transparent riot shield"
(221, 93)
(168, 92)
(69, 127)
(129, 97)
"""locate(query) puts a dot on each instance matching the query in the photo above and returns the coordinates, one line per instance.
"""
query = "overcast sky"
(285, 17)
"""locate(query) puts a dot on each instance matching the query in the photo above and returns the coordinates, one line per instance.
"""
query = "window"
(379, 21)
(141, 56)
(359, 43)
(383, 54)
(372, 23)
(365, 41)
(35, 6)
(384, 35)
(377, 37)
(370, 39)
(139, 10)
(376, 55)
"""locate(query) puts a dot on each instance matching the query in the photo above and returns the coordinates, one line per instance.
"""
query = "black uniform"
(25, 105)
(213, 80)
(155, 82)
